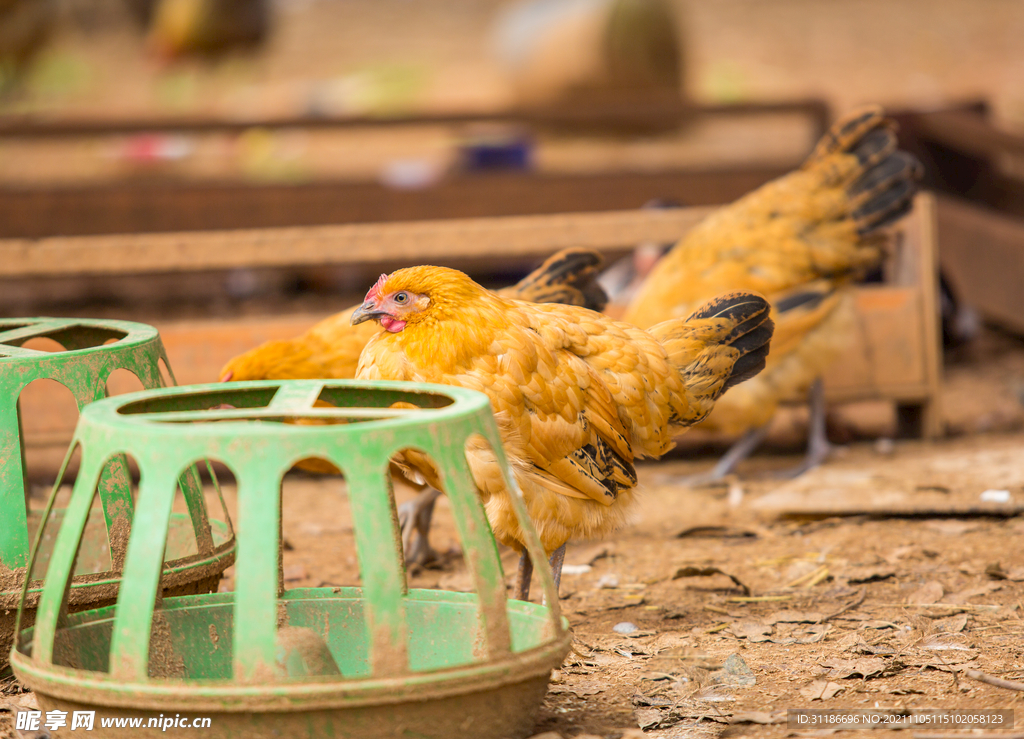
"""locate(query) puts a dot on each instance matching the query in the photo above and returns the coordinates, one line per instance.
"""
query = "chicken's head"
(416, 295)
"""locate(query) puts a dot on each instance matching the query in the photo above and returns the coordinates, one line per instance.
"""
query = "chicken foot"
(818, 446)
(525, 572)
(415, 517)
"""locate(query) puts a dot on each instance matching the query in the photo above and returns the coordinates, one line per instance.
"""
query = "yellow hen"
(577, 396)
(800, 240)
(330, 350)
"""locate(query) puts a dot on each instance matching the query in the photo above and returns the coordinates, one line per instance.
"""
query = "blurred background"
(129, 118)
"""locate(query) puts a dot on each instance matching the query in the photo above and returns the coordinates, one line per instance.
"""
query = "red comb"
(374, 292)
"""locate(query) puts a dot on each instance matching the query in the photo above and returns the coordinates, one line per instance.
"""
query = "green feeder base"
(499, 698)
(94, 587)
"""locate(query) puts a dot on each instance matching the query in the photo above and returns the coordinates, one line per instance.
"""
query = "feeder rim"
(173, 570)
(40, 326)
(297, 402)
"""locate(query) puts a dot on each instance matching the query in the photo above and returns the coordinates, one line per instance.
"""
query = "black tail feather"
(569, 277)
(751, 335)
(884, 189)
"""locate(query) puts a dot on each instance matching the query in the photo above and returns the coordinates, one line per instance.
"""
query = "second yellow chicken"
(801, 240)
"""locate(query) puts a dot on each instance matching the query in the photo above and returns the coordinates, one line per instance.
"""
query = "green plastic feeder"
(381, 660)
(84, 367)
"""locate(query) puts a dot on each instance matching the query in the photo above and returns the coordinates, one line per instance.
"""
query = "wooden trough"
(895, 355)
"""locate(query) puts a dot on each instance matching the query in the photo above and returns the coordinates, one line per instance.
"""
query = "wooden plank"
(967, 131)
(152, 206)
(982, 255)
(412, 242)
(923, 228)
(886, 350)
(667, 110)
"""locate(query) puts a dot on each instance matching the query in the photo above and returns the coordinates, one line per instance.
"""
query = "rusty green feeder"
(93, 349)
(380, 660)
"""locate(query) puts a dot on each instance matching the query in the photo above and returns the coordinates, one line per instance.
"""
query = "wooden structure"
(895, 356)
(165, 203)
(979, 169)
(981, 252)
(967, 156)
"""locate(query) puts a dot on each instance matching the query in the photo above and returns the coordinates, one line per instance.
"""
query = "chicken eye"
(401, 297)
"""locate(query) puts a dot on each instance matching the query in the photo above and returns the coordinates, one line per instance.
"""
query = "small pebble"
(996, 496)
(885, 446)
(735, 496)
(576, 569)
(624, 627)
(608, 581)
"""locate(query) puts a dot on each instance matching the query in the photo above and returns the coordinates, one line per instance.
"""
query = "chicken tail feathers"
(568, 276)
(882, 180)
(885, 193)
(721, 344)
(743, 325)
(850, 131)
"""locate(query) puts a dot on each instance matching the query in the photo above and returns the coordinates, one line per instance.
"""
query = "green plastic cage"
(379, 660)
(92, 350)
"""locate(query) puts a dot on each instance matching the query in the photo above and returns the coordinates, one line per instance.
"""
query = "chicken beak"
(366, 312)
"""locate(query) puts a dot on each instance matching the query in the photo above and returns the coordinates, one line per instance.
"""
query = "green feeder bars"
(380, 660)
(93, 350)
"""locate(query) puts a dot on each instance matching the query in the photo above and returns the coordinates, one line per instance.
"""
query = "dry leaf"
(944, 643)
(699, 571)
(877, 624)
(952, 527)
(874, 573)
(930, 592)
(820, 690)
(716, 532)
(874, 649)
(581, 688)
(865, 667)
(648, 718)
(800, 634)
(934, 664)
(713, 694)
(751, 631)
(952, 625)
(996, 572)
(794, 617)
(964, 596)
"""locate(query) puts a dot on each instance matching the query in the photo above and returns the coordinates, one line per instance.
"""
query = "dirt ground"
(872, 582)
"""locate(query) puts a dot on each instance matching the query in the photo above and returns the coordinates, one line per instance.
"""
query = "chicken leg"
(818, 446)
(525, 572)
(414, 517)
